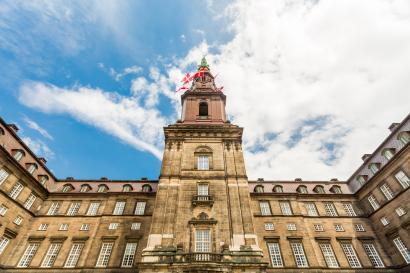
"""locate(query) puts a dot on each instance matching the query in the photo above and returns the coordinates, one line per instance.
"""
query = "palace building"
(203, 214)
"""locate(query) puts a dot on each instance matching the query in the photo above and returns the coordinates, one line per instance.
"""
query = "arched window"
(258, 189)
(31, 167)
(319, 189)
(203, 109)
(388, 153)
(102, 188)
(404, 137)
(18, 154)
(43, 179)
(203, 158)
(302, 189)
(361, 179)
(67, 188)
(374, 167)
(336, 189)
(127, 188)
(85, 188)
(278, 189)
(146, 188)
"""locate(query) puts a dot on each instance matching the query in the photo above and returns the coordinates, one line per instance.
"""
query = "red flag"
(182, 88)
(186, 77)
(220, 88)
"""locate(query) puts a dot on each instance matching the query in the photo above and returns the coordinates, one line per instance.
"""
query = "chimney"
(298, 179)
(334, 179)
(104, 178)
(144, 178)
(69, 178)
(42, 160)
(393, 126)
(261, 179)
(366, 157)
(13, 127)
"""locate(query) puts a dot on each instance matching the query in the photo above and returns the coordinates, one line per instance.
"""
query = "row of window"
(400, 211)
(15, 192)
(317, 227)
(104, 188)
(86, 227)
(311, 208)
(93, 208)
(301, 189)
(30, 167)
(74, 254)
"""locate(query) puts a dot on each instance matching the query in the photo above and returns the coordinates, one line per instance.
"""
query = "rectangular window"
(400, 211)
(203, 162)
(203, 240)
(93, 208)
(299, 254)
(74, 255)
(373, 202)
(349, 210)
(373, 255)
(3, 243)
(330, 209)
(265, 208)
(18, 220)
(85, 227)
(359, 227)
(387, 192)
(135, 226)
(384, 221)
(339, 227)
(311, 209)
(128, 259)
(203, 189)
(113, 226)
(51, 255)
(291, 226)
(16, 190)
(140, 208)
(275, 255)
(329, 255)
(43, 227)
(28, 255)
(403, 179)
(318, 227)
(351, 256)
(3, 175)
(3, 210)
(269, 226)
(119, 208)
(53, 210)
(401, 247)
(105, 254)
(63, 227)
(73, 209)
(30, 200)
(285, 208)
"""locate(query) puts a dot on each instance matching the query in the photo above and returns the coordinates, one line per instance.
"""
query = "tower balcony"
(202, 257)
(204, 200)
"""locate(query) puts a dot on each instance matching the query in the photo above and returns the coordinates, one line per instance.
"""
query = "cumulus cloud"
(122, 117)
(38, 147)
(34, 125)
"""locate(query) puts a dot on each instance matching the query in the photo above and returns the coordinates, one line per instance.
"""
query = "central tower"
(202, 219)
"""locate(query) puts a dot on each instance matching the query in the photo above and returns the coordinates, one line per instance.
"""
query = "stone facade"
(202, 214)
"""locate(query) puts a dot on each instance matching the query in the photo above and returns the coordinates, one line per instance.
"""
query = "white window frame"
(18, 220)
(359, 227)
(203, 162)
(74, 255)
(403, 179)
(113, 226)
(43, 227)
(203, 240)
(85, 227)
(311, 209)
(373, 255)
(402, 248)
(400, 211)
(29, 201)
(265, 208)
(285, 207)
(374, 168)
(3, 175)
(373, 202)
(129, 254)
(329, 255)
(140, 208)
(135, 226)
(63, 227)
(3, 210)
(349, 209)
(28, 255)
(387, 191)
(275, 254)
(53, 210)
(269, 226)
(384, 221)
(351, 255)
(388, 154)
(16, 190)
(51, 255)
(32, 168)
(330, 209)
(119, 208)
(93, 208)
(339, 228)
(18, 155)
(291, 226)
(105, 254)
(318, 227)
(4, 241)
(73, 209)
(299, 254)
(202, 189)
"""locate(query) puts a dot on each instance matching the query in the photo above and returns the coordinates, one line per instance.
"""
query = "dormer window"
(336, 189)
(67, 188)
(43, 179)
(85, 188)
(127, 188)
(258, 189)
(18, 154)
(388, 153)
(203, 109)
(361, 179)
(302, 189)
(146, 188)
(102, 188)
(278, 189)
(31, 168)
(319, 189)
(404, 137)
(374, 167)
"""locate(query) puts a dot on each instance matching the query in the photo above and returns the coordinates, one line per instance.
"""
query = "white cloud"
(122, 117)
(34, 125)
(126, 71)
(38, 147)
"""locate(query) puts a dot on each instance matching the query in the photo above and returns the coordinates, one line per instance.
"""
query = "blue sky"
(91, 83)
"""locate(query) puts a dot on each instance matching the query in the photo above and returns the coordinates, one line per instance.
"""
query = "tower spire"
(204, 66)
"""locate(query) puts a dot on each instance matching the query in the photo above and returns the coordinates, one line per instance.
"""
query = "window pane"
(275, 255)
